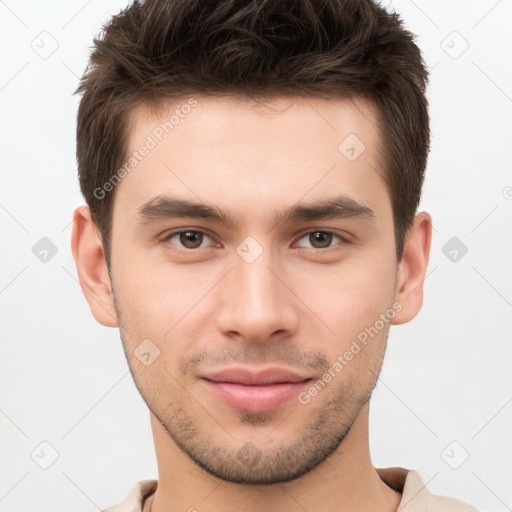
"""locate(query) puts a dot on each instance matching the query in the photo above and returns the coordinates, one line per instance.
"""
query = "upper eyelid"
(332, 231)
(344, 239)
(171, 234)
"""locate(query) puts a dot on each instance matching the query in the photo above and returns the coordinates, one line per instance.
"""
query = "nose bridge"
(255, 302)
(257, 283)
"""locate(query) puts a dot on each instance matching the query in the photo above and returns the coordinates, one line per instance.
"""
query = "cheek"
(348, 297)
(166, 305)
(155, 296)
(159, 298)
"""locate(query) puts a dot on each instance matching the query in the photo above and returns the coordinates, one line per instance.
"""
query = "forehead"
(234, 151)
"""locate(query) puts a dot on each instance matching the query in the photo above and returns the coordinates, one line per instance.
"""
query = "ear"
(91, 266)
(412, 268)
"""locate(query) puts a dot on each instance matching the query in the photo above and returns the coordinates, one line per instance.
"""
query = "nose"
(256, 302)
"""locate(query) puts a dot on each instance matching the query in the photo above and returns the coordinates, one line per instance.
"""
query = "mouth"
(253, 391)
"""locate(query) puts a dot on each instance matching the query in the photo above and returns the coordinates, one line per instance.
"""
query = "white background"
(64, 378)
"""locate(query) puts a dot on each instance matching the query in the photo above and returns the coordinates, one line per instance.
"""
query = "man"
(252, 172)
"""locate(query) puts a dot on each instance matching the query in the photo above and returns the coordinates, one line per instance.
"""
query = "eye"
(321, 239)
(188, 238)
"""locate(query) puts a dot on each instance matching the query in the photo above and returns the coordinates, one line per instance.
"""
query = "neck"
(345, 482)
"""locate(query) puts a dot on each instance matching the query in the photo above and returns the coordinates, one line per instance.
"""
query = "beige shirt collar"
(415, 495)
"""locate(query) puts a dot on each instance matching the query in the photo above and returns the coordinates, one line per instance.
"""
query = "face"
(255, 322)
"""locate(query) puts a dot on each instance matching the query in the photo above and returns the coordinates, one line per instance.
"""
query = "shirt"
(415, 495)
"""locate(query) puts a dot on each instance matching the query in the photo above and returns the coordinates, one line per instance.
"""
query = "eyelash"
(171, 235)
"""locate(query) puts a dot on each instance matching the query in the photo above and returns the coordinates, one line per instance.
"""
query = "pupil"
(323, 238)
(191, 239)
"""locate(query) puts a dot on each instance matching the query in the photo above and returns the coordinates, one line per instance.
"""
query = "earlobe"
(412, 268)
(92, 268)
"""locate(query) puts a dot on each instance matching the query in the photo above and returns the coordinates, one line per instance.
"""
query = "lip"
(241, 375)
(252, 391)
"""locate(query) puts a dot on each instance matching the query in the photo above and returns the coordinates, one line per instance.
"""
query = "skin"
(298, 305)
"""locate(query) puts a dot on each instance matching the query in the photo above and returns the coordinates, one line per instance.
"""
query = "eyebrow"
(338, 207)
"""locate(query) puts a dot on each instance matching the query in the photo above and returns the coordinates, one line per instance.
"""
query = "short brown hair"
(159, 50)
